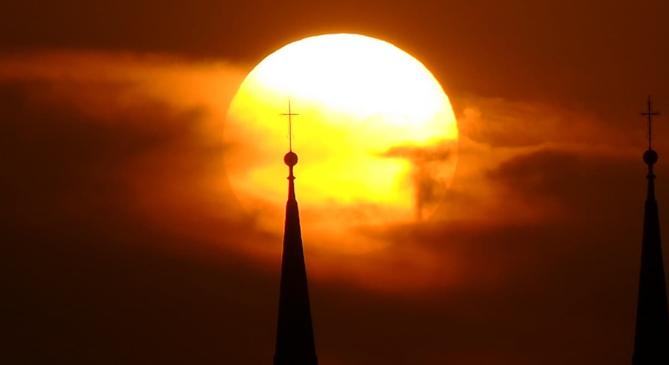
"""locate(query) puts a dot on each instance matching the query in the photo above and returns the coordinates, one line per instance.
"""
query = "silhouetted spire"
(294, 337)
(651, 341)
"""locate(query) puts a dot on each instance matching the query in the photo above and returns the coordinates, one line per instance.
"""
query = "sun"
(376, 136)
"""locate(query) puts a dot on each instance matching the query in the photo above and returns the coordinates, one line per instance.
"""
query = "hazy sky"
(123, 243)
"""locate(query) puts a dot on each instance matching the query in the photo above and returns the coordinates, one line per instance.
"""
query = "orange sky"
(125, 243)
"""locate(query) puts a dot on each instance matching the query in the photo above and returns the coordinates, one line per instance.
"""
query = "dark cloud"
(427, 162)
(440, 152)
(586, 185)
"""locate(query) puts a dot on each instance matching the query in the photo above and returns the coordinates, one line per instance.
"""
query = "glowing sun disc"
(376, 135)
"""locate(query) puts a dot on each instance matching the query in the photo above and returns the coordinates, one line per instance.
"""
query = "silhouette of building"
(651, 342)
(294, 337)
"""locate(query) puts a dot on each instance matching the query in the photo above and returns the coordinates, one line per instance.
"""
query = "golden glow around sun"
(376, 136)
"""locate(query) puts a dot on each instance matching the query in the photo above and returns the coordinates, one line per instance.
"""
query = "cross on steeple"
(651, 336)
(290, 115)
(294, 333)
(650, 113)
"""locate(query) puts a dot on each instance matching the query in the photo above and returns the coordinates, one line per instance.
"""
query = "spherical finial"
(650, 157)
(290, 158)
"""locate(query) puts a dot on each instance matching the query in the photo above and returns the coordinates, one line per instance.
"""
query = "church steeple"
(294, 337)
(651, 341)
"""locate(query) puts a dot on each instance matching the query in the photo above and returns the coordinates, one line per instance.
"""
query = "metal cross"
(650, 114)
(290, 115)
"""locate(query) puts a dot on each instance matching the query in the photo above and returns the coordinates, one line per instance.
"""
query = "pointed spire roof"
(294, 337)
(651, 341)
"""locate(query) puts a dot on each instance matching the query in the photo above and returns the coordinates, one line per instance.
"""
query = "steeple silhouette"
(651, 341)
(294, 336)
